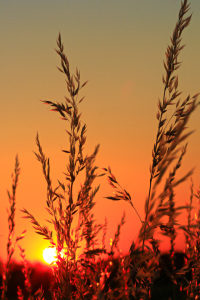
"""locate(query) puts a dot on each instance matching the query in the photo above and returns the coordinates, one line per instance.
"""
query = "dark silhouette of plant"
(84, 267)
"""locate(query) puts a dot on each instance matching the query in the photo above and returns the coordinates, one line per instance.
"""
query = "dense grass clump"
(85, 267)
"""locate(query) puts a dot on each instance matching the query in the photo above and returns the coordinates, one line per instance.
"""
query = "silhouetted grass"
(85, 267)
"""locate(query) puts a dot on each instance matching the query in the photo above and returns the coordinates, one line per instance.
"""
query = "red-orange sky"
(119, 46)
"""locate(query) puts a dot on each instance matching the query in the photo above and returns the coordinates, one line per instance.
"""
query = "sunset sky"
(119, 46)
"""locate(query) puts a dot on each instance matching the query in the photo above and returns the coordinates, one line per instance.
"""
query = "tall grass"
(85, 267)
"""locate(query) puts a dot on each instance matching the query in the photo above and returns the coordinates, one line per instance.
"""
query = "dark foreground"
(41, 275)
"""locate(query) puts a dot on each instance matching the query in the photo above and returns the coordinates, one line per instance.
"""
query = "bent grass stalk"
(170, 135)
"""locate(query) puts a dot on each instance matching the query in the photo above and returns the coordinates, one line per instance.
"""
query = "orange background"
(119, 46)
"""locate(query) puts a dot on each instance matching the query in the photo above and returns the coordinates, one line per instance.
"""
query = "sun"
(49, 255)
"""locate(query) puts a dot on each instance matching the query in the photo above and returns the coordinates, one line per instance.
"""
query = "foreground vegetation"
(85, 267)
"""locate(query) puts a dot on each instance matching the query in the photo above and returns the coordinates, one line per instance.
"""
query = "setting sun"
(49, 255)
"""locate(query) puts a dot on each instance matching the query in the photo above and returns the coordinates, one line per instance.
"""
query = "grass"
(85, 268)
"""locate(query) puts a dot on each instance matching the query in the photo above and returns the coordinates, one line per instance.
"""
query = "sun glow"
(49, 255)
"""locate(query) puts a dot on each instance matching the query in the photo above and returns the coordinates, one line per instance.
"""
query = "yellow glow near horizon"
(49, 255)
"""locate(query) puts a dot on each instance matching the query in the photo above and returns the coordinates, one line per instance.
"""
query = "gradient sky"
(119, 46)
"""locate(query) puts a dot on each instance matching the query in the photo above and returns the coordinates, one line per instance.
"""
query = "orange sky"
(119, 46)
